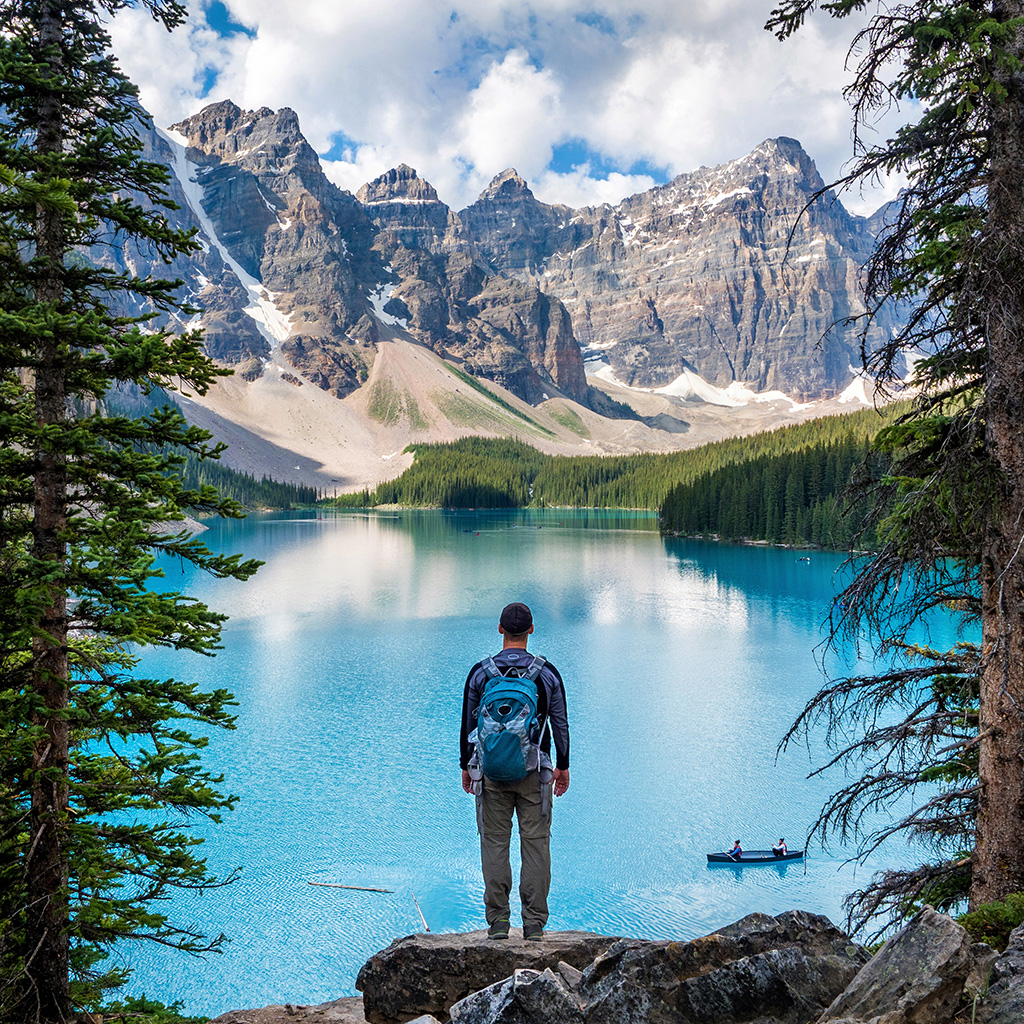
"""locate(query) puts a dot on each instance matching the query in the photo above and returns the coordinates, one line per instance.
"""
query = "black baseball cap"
(516, 618)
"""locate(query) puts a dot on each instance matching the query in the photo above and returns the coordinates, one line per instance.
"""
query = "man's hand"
(467, 782)
(561, 780)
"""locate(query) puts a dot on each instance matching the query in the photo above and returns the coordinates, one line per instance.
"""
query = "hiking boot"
(498, 930)
(533, 932)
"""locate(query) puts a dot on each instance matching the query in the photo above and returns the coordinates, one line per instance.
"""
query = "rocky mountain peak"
(507, 185)
(774, 167)
(704, 274)
(784, 157)
(400, 184)
(212, 121)
(292, 234)
(784, 148)
(224, 132)
(512, 229)
(724, 270)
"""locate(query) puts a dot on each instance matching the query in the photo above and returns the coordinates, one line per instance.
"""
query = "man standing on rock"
(513, 704)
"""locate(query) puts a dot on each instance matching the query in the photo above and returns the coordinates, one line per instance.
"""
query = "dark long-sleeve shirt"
(550, 705)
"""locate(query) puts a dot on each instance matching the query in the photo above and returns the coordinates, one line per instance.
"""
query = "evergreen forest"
(250, 492)
(794, 497)
(800, 473)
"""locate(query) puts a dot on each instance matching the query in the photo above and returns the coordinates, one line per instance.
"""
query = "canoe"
(754, 857)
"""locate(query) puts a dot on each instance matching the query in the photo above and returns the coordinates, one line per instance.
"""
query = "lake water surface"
(684, 664)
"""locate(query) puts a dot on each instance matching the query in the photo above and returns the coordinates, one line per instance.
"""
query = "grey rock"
(337, 368)
(570, 975)
(783, 969)
(515, 232)
(544, 996)
(701, 273)
(400, 184)
(488, 1006)
(231, 335)
(428, 973)
(502, 328)
(917, 977)
(539, 339)
(1003, 1003)
(785, 986)
(528, 997)
(340, 1011)
(406, 206)
(983, 958)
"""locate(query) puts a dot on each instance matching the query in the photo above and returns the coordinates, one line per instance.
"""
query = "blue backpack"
(507, 721)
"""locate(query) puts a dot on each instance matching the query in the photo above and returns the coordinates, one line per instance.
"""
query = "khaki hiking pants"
(499, 801)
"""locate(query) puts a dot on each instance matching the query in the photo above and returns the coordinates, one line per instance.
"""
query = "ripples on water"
(684, 664)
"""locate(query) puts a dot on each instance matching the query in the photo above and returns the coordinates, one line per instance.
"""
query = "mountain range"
(716, 304)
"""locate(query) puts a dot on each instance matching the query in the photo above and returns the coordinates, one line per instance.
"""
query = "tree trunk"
(999, 851)
(47, 867)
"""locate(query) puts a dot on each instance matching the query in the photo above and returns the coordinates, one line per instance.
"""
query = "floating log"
(359, 888)
(426, 927)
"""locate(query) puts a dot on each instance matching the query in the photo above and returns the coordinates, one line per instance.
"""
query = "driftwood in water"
(360, 888)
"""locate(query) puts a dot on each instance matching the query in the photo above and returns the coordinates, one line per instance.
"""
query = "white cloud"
(682, 102)
(462, 90)
(866, 200)
(512, 118)
(170, 67)
(580, 188)
(360, 166)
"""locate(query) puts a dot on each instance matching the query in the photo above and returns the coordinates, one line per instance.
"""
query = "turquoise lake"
(684, 663)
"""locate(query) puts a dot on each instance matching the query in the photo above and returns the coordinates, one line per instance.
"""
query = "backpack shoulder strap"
(535, 667)
(531, 671)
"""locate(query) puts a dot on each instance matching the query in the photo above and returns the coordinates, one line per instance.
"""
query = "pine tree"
(952, 254)
(87, 504)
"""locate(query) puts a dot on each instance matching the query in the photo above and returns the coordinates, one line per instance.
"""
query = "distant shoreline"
(713, 538)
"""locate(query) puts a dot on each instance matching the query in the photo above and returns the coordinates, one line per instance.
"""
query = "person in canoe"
(781, 850)
(736, 850)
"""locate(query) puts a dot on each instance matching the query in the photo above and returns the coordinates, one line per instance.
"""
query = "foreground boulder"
(769, 970)
(528, 997)
(1004, 1001)
(773, 970)
(797, 968)
(428, 973)
(917, 977)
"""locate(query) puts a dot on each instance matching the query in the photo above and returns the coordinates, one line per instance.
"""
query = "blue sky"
(589, 101)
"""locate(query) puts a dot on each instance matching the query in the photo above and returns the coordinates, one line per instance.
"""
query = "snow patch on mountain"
(721, 197)
(857, 390)
(272, 323)
(690, 385)
(379, 298)
(401, 201)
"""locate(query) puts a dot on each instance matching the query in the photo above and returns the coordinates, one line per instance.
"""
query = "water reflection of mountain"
(427, 526)
(785, 583)
(774, 574)
(431, 525)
